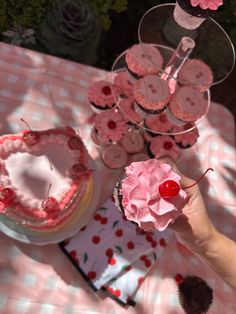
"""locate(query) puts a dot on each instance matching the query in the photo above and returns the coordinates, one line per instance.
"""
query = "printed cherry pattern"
(96, 239)
(91, 275)
(130, 245)
(116, 292)
(146, 261)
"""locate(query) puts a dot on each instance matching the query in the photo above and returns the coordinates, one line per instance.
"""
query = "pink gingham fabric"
(48, 91)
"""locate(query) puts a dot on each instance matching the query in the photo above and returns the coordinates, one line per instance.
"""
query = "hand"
(194, 228)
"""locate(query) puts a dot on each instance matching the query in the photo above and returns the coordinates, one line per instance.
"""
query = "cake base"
(75, 223)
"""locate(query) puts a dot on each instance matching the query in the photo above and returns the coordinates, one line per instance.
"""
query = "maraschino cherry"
(50, 204)
(30, 137)
(7, 196)
(171, 188)
(77, 170)
(74, 143)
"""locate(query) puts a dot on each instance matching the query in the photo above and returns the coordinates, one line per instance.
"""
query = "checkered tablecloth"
(48, 91)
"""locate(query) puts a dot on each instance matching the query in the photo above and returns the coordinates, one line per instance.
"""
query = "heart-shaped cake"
(45, 178)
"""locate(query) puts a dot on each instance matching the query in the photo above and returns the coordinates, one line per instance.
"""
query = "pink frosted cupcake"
(164, 145)
(127, 107)
(124, 81)
(151, 94)
(140, 195)
(143, 59)
(158, 124)
(187, 139)
(102, 95)
(197, 74)
(114, 156)
(187, 104)
(132, 142)
(109, 126)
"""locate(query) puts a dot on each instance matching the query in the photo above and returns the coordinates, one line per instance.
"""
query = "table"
(47, 91)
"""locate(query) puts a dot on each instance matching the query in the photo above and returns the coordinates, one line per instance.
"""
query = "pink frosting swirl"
(141, 200)
(207, 4)
(110, 126)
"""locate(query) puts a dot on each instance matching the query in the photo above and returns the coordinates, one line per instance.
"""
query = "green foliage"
(105, 7)
(26, 13)
(227, 18)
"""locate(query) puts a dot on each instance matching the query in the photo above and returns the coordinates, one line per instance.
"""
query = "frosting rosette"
(141, 201)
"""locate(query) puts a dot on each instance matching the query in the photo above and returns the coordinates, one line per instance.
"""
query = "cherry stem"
(49, 188)
(199, 179)
(50, 164)
(26, 123)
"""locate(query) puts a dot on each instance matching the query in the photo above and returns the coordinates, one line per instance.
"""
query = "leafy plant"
(26, 13)
(105, 7)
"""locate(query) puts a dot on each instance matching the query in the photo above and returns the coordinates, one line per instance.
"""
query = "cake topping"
(50, 205)
(141, 200)
(74, 143)
(78, 170)
(7, 196)
(106, 90)
(30, 137)
(114, 156)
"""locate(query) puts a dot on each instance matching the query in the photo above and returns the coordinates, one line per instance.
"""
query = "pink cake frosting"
(152, 93)
(110, 126)
(188, 104)
(102, 94)
(124, 81)
(144, 59)
(127, 107)
(159, 123)
(29, 164)
(164, 145)
(188, 138)
(197, 74)
(114, 156)
(141, 201)
(132, 142)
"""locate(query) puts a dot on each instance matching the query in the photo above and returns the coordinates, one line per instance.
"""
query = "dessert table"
(47, 91)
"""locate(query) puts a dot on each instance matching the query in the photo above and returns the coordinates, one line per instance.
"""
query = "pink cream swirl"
(141, 200)
(207, 4)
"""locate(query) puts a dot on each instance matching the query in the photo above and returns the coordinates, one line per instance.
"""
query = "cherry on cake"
(45, 178)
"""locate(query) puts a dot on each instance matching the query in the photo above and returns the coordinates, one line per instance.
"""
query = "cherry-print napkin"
(113, 254)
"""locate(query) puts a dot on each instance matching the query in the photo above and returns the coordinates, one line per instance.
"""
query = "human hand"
(193, 228)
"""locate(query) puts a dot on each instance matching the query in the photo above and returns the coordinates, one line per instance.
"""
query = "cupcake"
(109, 126)
(197, 74)
(139, 195)
(188, 138)
(151, 94)
(124, 81)
(127, 107)
(102, 95)
(158, 124)
(132, 142)
(143, 59)
(163, 145)
(114, 156)
(187, 104)
(195, 295)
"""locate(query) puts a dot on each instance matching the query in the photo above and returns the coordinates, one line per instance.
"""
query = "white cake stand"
(19, 233)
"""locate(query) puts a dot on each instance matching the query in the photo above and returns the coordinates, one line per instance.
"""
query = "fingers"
(185, 181)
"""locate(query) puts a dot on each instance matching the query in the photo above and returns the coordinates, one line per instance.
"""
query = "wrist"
(206, 245)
